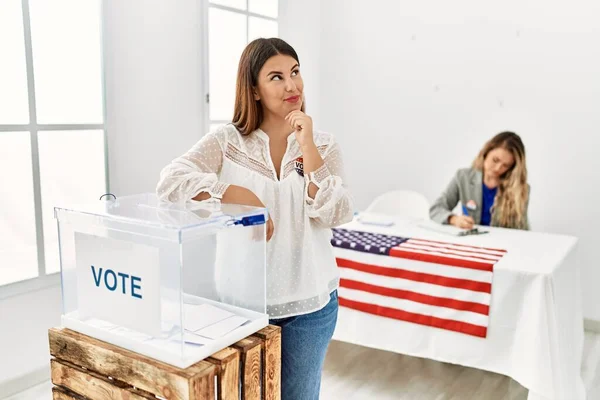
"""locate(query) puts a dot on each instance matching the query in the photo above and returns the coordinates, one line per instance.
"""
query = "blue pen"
(465, 210)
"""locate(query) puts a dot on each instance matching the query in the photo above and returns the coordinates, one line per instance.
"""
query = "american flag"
(439, 284)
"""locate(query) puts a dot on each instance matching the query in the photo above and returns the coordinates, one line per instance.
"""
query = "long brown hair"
(248, 112)
(509, 210)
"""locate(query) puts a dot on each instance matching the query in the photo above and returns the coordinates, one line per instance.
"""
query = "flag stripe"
(419, 287)
(450, 246)
(479, 256)
(416, 297)
(416, 266)
(470, 329)
(413, 307)
(463, 246)
(416, 276)
(440, 259)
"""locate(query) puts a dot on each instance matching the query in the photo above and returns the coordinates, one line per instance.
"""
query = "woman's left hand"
(303, 126)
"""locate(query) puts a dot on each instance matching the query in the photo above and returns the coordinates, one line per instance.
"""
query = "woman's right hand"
(241, 195)
(462, 221)
(270, 228)
(252, 199)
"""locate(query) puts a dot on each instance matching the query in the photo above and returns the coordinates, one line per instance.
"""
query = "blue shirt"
(488, 201)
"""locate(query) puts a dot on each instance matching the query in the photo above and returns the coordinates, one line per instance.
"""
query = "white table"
(535, 332)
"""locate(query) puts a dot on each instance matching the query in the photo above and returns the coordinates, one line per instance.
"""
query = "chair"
(401, 203)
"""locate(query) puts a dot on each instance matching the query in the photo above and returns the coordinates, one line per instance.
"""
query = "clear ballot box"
(175, 282)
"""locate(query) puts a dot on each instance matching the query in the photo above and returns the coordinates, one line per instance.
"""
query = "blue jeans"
(304, 341)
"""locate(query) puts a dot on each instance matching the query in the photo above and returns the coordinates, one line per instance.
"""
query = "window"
(232, 24)
(52, 140)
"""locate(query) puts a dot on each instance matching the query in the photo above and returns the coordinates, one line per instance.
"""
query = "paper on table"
(198, 316)
(445, 229)
(222, 328)
(374, 219)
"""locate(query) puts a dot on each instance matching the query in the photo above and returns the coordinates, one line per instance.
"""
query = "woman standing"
(270, 156)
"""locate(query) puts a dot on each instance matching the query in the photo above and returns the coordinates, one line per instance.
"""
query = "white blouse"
(301, 266)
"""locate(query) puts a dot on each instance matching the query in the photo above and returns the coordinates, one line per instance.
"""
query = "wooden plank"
(59, 393)
(227, 362)
(250, 364)
(270, 337)
(92, 385)
(158, 378)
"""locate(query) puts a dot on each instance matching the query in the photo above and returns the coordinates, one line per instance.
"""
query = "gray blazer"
(466, 185)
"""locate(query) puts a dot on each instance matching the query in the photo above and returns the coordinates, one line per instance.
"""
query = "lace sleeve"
(194, 172)
(333, 204)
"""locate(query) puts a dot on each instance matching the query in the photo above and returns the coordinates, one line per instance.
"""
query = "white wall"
(154, 94)
(300, 26)
(24, 350)
(412, 90)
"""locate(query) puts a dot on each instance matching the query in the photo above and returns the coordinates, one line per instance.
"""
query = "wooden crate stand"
(86, 368)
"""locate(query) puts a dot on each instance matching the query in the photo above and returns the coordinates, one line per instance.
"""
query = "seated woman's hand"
(462, 221)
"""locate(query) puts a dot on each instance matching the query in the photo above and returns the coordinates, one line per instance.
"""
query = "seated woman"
(493, 192)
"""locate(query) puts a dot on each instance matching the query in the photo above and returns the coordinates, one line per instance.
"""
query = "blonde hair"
(510, 205)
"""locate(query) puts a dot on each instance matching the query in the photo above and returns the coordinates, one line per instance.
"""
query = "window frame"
(44, 280)
(207, 5)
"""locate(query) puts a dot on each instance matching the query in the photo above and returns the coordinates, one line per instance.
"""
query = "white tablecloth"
(535, 333)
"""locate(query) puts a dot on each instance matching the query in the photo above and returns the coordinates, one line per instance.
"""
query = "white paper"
(100, 324)
(128, 333)
(191, 337)
(222, 328)
(118, 282)
(372, 219)
(440, 228)
(198, 316)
